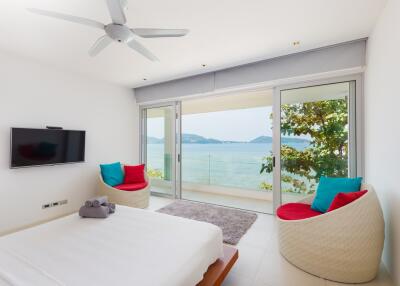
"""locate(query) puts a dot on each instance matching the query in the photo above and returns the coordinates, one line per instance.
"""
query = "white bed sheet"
(131, 247)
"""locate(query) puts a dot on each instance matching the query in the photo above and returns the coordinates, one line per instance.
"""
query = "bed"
(131, 247)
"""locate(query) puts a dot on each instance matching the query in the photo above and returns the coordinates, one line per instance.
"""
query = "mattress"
(131, 247)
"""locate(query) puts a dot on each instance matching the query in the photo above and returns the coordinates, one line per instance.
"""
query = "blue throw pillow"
(328, 188)
(112, 174)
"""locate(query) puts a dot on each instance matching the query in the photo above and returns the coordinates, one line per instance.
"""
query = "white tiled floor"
(260, 263)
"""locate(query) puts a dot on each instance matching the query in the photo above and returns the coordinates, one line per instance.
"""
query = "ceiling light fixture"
(296, 43)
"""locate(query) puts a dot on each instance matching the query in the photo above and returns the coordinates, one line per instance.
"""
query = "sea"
(225, 164)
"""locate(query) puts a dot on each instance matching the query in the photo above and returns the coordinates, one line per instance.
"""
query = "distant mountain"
(197, 139)
(262, 139)
(187, 139)
(268, 139)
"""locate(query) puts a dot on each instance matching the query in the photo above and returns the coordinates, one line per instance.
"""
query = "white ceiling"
(223, 33)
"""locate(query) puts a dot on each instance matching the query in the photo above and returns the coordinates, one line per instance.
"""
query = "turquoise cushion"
(112, 174)
(328, 188)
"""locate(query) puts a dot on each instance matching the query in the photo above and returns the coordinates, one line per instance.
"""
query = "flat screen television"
(37, 147)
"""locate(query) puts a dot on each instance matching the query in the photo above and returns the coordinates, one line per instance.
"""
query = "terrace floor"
(257, 205)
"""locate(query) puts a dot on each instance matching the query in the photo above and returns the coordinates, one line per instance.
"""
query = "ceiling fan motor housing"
(119, 33)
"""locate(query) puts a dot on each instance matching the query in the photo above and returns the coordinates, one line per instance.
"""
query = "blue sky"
(235, 125)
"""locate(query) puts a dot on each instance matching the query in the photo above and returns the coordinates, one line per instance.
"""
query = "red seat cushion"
(296, 211)
(342, 199)
(131, 187)
(134, 174)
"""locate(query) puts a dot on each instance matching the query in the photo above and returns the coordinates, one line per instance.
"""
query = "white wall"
(382, 126)
(32, 95)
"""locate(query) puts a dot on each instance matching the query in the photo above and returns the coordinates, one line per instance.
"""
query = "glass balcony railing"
(230, 172)
(212, 170)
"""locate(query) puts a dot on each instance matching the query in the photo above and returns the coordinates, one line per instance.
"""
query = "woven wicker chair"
(135, 199)
(344, 245)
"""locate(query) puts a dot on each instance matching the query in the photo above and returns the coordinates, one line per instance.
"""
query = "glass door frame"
(356, 147)
(176, 143)
(356, 132)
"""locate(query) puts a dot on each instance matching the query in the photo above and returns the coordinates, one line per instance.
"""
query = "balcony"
(229, 182)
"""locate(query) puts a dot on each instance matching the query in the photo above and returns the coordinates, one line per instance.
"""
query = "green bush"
(155, 173)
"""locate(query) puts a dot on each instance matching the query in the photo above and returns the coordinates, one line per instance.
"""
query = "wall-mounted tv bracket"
(54, 127)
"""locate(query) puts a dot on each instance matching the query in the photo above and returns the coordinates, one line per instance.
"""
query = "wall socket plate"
(54, 204)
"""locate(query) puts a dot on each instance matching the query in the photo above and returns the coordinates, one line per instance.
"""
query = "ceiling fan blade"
(138, 47)
(116, 9)
(74, 19)
(100, 45)
(159, 33)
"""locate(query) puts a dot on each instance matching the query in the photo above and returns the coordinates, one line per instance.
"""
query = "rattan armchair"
(136, 199)
(344, 245)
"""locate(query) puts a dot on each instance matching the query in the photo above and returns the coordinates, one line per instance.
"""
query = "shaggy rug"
(234, 223)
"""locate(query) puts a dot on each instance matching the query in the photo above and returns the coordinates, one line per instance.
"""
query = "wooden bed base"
(217, 271)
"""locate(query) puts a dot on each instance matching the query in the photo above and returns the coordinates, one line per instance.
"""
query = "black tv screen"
(35, 147)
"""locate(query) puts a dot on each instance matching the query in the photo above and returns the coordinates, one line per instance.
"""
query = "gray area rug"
(234, 223)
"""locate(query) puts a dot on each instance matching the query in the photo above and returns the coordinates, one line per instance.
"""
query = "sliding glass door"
(159, 147)
(253, 150)
(224, 141)
(315, 136)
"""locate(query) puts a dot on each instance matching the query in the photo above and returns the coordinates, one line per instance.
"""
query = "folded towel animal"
(94, 212)
(96, 202)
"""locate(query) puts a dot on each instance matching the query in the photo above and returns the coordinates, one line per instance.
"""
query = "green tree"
(326, 123)
(155, 173)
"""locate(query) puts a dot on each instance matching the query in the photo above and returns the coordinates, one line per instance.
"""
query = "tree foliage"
(326, 124)
(155, 173)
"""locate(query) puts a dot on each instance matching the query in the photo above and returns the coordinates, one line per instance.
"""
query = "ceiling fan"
(117, 30)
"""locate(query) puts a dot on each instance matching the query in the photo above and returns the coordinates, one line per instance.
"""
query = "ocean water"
(231, 165)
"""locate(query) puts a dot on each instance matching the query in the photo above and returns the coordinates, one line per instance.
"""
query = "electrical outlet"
(45, 206)
(54, 204)
(63, 202)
